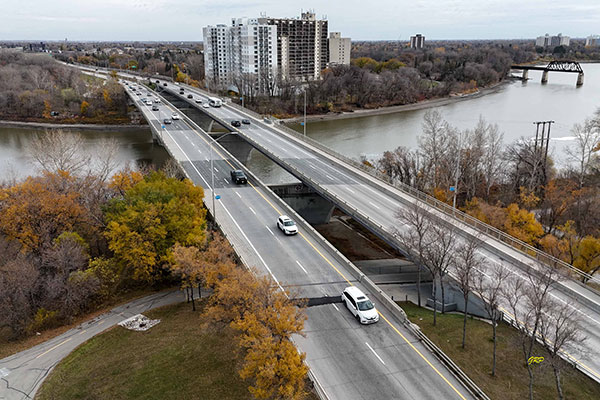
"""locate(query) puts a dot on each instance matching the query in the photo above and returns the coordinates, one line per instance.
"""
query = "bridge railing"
(524, 248)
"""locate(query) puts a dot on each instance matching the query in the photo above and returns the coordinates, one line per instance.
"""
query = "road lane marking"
(334, 306)
(298, 262)
(83, 331)
(269, 229)
(52, 348)
(253, 212)
(374, 205)
(101, 322)
(216, 169)
(374, 352)
(350, 190)
(238, 195)
(312, 166)
(324, 258)
(329, 176)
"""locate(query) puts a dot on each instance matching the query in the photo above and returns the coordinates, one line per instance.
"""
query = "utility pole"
(544, 142)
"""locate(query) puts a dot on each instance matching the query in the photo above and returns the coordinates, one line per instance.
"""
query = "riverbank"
(89, 127)
(406, 107)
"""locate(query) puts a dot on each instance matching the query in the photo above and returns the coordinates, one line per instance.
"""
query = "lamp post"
(304, 123)
(457, 168)
(212, 173)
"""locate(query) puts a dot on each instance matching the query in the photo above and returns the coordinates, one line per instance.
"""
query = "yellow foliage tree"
(47, 109)
(522, 224)
(84, 107)
(588, 255)
(125, 180)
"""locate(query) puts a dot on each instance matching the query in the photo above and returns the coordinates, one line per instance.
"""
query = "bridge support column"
(545, 77)
(580, 79)
(310, 205)
(525, 74)
(234, 144)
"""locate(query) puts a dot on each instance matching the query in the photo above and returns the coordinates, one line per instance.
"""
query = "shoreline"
(89, 127)
(401, 108)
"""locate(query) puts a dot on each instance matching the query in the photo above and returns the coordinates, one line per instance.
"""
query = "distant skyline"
(182, 20)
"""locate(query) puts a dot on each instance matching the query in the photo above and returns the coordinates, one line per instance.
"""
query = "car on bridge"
(167, 121)
(238, 176)
(236, 123)
(165, 84)
(190, 96)
(359, 305)
(246, 121)
(148, 102)
(286, 225)
(155, 108)
(175, 116)
(181, 91)
(198, 101)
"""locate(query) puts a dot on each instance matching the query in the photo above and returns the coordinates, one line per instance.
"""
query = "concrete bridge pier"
(234, 144)
(310, 205)
(545, 77)
(580, 79)
(525, 74)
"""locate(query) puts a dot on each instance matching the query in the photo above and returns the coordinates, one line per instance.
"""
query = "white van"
(359, 305)
(214, 102)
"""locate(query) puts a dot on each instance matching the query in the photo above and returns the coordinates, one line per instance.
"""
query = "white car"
(206, 105)
(175, 116)
(359, 305)
(148, 102)
(286, 225)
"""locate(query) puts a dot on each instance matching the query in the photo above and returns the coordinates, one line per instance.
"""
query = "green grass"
(180, 358)
(512, 380)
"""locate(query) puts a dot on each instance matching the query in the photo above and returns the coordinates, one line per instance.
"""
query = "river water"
(514, 108)
(135, 148)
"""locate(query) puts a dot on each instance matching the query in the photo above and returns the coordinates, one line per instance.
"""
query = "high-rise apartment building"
(243, 54)
(417, 41)
(593, 40)
(339, 49)
(301, 46)
(552, 41)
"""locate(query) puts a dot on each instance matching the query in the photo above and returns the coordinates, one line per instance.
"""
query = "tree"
(587, 140)
(588, 255)
(414, 238)
(467, 271)
(57, 150)
(560, 329)
(154, 214)
(188, 266)
(527, 299)
(433, 145)
(84, 108)
(490, 290)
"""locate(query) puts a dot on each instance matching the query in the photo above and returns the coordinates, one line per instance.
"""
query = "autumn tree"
(144, 225)
(588, 255)
(187, 265)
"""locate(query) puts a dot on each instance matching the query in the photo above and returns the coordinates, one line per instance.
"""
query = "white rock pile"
(138, 323)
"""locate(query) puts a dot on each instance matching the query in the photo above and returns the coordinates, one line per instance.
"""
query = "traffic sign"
(218, 196)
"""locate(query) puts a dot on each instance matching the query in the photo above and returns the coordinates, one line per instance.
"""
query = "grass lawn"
(180, 358)
(512, 380)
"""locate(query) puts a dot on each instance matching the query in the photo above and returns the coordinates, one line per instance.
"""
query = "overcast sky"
(157, 20)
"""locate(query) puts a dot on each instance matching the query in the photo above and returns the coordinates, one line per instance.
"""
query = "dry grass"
(180, 358)
(512, 380)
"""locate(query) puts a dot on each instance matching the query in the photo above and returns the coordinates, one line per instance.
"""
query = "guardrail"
(525, 248)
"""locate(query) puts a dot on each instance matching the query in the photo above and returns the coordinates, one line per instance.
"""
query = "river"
(514, 108)
(135, 148)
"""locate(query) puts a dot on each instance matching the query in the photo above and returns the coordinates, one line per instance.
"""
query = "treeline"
(514, 188)
(81, 235)
(36, 88)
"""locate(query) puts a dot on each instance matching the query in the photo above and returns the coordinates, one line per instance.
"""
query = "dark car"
(236, 123)
(246, 121)
(190, 96)
(155, 108)
(181, 91)
(157, 81)
(238, 176)
(165, 84)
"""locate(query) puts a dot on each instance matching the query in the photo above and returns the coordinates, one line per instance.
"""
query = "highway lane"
(350, 361)
(347, 185)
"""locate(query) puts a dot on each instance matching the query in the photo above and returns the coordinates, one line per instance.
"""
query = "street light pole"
(304, 124)
(457, 169)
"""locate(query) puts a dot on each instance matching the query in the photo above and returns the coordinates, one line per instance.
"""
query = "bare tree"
(492, 163)
(467, 266)
(439, 255)
(416, 226)
(490, 289)
(560, 328)
(433, 144)
(587, 140)
(528, 301)
(57, 150)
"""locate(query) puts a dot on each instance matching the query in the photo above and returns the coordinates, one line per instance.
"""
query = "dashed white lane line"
(376, 355)
(374, 205)
(334, 306)
(329, 176)
(312, 166)
(52, 348)
(238, 195)
(300, 265)
(226, 181)
(216, 169)
(350, 190)
(270, 231)
(253, 212)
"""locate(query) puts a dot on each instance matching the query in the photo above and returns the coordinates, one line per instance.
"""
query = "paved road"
(22, 374)
(360, 194)
(350, 361)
